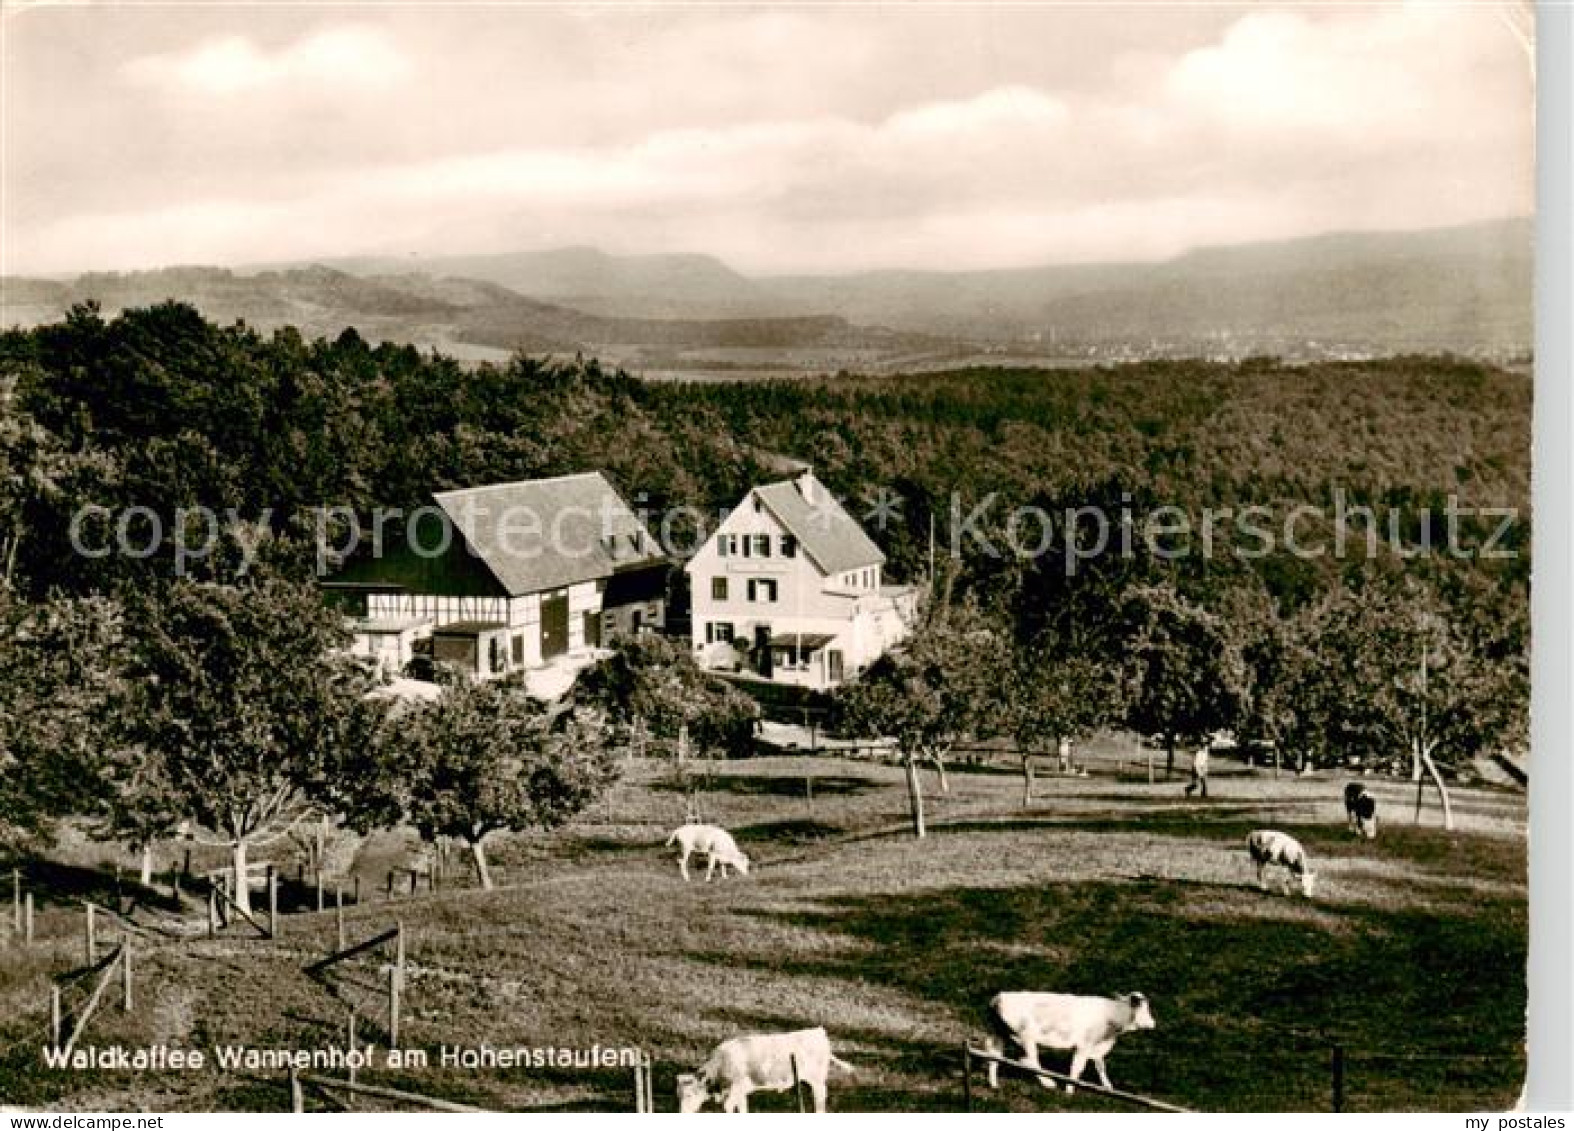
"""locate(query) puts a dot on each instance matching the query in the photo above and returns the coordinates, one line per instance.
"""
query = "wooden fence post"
(393, 1006)
(1337, 1067)
(273, 903)
(338, 912)
(297, 1094)
(27, 918)
(125, 974)
(54, 1014)
(349, 1098)
(319, 890)
(639, 1088)
(16, 900)
(92, 937)
(399, 952)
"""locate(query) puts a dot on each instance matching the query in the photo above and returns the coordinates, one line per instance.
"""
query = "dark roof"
(827, 533)
(549, 533)
(400, 568)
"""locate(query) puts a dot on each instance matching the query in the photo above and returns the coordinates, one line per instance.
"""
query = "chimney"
(807, 485)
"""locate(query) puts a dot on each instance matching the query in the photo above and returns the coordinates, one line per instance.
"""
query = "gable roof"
(828, 534)
(549, 533)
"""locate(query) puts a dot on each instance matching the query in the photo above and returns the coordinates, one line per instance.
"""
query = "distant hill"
(634, 286)
(436, 311)
(1465, 289)
(1460, 288)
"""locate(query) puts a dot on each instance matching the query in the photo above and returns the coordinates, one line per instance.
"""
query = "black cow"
(1360, 810)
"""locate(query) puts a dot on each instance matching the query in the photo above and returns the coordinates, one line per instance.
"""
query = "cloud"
(1374, 75)
(928, 140)
(229, 65)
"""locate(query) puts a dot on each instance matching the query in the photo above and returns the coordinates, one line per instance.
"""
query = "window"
(789, 546)
(721, 545)
(746, 543)
(833, 666)
(762, 589)
(718, 632)
(718, 588)
(762, 545)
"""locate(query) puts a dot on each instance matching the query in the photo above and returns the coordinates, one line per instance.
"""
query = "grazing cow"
(760, 1062)
(1268, 846)
(716, 844)
(1360, 810)
(1088, 1026)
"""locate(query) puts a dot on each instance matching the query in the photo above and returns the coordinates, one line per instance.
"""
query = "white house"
(789, 589)
(508, 576)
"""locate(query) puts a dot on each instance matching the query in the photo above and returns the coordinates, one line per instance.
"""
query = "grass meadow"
(1411, 960)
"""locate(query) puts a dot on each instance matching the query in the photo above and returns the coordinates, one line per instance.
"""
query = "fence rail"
(298, 1083)
(970, 1054)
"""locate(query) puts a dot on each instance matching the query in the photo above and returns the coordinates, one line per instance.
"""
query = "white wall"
(847, 606)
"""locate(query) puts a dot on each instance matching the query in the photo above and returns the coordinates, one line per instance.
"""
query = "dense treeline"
(162, 410)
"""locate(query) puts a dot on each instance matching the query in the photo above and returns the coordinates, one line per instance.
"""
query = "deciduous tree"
(1183, 672)
(483, 759)
(251, 716)
(935, 689)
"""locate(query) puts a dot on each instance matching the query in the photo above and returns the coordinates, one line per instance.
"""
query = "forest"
(1412, 649)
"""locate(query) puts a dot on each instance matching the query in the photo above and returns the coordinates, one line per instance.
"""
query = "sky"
(780, 138)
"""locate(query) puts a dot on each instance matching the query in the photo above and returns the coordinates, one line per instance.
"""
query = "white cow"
(760, 1062)
(716, 844)
(1088, 1026)
(1269, 846)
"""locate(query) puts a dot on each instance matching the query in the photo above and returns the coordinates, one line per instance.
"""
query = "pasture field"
(1411, 959)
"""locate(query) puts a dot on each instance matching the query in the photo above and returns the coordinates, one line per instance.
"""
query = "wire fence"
(1289, 1072)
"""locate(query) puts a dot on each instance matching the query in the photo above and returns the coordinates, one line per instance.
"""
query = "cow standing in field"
(761, 1062)
(1267, 846)
(1360, 810)
(716, 844)
(1088, 1026)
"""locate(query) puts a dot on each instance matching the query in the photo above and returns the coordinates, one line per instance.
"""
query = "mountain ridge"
(1466, 289)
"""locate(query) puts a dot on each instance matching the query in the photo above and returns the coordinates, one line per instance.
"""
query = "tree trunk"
(1442, 790)
(482, 872)
(1169, 757)
(145, 873)
(915, 796)
(939, 765)
(1421, 759)
(1151, 778)
(242, 882)
(1027, 779)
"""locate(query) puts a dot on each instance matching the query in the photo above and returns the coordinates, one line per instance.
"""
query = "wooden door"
(554, 626)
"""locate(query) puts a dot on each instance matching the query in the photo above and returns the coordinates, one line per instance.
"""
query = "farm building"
(790, 589)
(508, 576)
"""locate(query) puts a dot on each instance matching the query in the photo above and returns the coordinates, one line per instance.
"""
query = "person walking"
(1199, 772)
